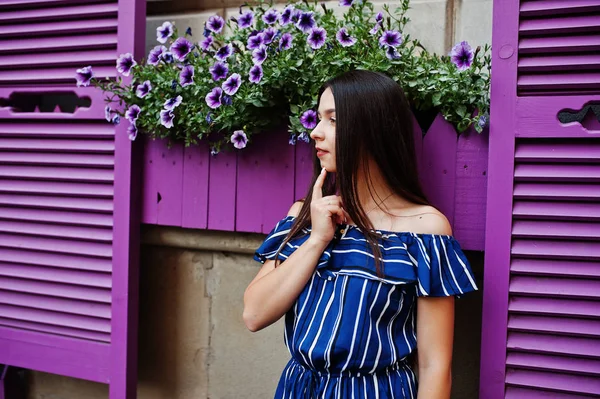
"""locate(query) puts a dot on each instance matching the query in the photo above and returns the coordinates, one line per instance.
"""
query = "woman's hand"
(325, 212)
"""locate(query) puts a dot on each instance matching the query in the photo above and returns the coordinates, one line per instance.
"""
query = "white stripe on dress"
(387, 304)
(466, 270)
(370, 326)
(360, 303)
(310, 325)
(450, 267)
(336, 325)
(439, 260)
(323, 318)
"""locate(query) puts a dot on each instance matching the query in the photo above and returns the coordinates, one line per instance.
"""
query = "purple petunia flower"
(132, 131)
(226, 100)
(462, 56)
(239, 139)
(254, 41)
(166, 118)
(209, 118)
(224, 52)
(164, 32)
(215, 24)
(108, 113)
(268, 35)
(232, 84)
(213, 99)
(219, 70)
(181, 48)
(84, 76)
(482, 121)
(133, 113)
(391, 38)
(116, 120)
(292, 140)
(173, 103)
(306, 21)
(186, 76)
(125, 63)
(270, 17)
(256, 74)
(143, 89)
(167, 57)
(214, 151)
(286, 16)
(391, 53)
(188, 31)
(285, 43)
(379, 17)
(259, 55)
(316, 38)
(374, 30)
(206, 43)
(304, 137)
(155, 54)
(344, 38)
(309, 119)
(245, 20)
(346, 3)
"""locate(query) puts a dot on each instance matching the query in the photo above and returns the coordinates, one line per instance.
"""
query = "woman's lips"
(321, 152)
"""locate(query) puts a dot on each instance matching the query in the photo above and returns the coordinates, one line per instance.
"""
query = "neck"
(373, 191)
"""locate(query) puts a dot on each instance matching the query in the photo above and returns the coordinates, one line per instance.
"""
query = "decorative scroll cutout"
(588, 116)
(47, 102)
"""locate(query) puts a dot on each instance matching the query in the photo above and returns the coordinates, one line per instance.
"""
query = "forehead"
(326, 102)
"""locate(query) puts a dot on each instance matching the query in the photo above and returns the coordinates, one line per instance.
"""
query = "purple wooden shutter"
(541, 314)
(68, 207)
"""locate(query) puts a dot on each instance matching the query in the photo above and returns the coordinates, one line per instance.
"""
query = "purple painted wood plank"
(439, 163)
(550, 7)
(106, 40)
(61, 74)
(304, 169)
(538, 116)
(126, 244)
(50, 274)
(505, 38)
(553, 44)
(543, 343)
(59, 355)
(471, 189)
(57, 188)
(69, 306)
(222, 190)
(55, 318)
(55, 260)
(559, 63)
(557, 172)
(63, 27)
(554, 381)
(56, 330)
(265, 183)
(196, 162)
(555, 287)
(81, 219)
(150, 171)
(551, 229)
(59, 128)
(58, 58)
(418, 141)
(56, 289)
(559, 24)
(555, 363)
(58, 231)
(556, 191)
(553, 325)
(554, 306)
(524, 393)
(557, 81)
(168, 163)
(573, 151)
(557, 210)
(556, 249)
(77, 11)
(77, 160)
(553, 267)
(81, 146)
(40, 201)
(56, 245)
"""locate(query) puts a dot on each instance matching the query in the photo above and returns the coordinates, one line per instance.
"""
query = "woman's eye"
(332, 121)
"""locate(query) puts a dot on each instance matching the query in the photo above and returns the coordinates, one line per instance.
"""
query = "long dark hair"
(373, 119)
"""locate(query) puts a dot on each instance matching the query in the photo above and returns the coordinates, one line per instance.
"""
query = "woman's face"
(324, 132)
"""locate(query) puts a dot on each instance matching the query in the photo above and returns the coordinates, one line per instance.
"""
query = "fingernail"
(322, 170)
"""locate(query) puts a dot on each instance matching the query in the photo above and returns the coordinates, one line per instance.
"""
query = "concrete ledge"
(201, 240)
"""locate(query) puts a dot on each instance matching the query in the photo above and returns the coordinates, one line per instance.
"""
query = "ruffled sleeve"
(442, 267)
(273, 242)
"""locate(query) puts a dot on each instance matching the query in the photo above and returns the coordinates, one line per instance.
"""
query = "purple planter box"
(250, 190)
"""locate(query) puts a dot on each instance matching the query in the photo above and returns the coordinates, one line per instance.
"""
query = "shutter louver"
(554, 307)
(44, 42)
(559, 47)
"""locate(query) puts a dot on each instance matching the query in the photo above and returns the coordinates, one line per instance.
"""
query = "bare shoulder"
(429, 220)
(295, 209)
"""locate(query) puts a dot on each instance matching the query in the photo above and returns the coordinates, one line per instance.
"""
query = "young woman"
(364, 269)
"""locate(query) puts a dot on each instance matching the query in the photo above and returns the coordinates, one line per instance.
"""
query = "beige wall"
(192, 341)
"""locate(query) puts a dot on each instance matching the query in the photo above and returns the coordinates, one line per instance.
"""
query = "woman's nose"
(316, 133)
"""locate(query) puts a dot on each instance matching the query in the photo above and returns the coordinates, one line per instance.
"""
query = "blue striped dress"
(350, 332)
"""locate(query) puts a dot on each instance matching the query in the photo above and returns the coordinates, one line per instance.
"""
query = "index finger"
(318, 187)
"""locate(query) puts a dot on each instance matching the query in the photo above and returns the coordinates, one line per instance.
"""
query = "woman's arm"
(275, 289)
(435, 335)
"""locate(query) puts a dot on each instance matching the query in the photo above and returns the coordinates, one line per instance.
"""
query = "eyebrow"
(327, 111)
